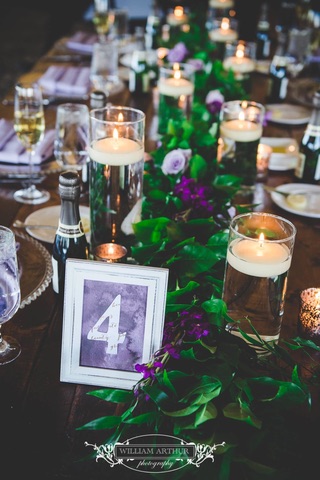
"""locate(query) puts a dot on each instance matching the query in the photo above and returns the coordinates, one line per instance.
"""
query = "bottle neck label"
(313, 130)
(70, 231)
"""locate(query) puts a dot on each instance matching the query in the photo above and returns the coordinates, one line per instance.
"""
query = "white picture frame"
(96, 351)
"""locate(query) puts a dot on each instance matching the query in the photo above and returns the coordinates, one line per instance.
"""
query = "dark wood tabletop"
(39, 415)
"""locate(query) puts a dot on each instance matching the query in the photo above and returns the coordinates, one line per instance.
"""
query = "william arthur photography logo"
(155, 453)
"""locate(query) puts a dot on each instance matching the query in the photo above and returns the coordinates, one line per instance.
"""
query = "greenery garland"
(205, 384)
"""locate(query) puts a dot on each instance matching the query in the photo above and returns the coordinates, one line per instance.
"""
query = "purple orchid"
(194, 325)
(196, 63)
(176, 161)
(214, 100)
(147, 370)
(178, 53)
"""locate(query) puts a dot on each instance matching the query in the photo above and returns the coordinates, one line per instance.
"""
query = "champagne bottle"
(263, 37)
(308, 168)
(70, 240)
(278, 71)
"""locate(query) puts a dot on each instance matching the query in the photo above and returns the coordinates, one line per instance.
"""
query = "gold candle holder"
(110, 252)
(309, 314)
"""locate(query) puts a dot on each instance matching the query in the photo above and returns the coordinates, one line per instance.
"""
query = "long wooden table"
(39, 415)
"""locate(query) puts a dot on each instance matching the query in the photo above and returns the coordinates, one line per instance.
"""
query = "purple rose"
(178, 53)
(176, 161)
(196, 63)
(214, 100)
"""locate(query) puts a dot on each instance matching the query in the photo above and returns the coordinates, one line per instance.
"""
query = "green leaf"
(198, 167)
(148, 418)
(111, 395)
(102, 423)
(208, 412)
(241, 413)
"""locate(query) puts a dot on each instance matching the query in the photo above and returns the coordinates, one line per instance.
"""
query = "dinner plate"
(313, 208)
(288, 114)
(285, 153)
(50, 216)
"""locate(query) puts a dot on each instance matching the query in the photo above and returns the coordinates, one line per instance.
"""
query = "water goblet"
(10, 295)
(29, 125)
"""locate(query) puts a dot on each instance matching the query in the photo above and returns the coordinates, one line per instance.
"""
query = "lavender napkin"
(13, 152)
(59, 80)
(82, 42)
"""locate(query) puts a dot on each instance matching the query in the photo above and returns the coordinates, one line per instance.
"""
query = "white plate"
(50, 216)
(313, 208)
(285, 153)
(288, 114)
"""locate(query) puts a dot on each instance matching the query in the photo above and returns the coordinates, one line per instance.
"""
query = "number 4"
(112, 337)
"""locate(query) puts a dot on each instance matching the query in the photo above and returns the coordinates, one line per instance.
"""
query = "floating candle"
(177, 17)
(259, 258)
(176, 85)
(241, 130)
(239, 63)
(111, 151)
(224, 33)
(221, 3)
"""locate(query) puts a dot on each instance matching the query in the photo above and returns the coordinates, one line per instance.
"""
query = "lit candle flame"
(261, 240)
(178, 12)
(225, 24)
(241, 116)
(115, 139)
(177, 72)
(120, 117)
(240, 51)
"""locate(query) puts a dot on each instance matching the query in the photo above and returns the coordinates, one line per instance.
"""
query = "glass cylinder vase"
(116, 173)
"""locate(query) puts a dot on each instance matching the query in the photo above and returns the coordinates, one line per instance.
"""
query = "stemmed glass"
(10, 295)
(29, 125)
(102, 19)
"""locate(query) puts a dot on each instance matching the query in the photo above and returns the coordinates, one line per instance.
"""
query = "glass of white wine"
(29, 125)
(102, 19)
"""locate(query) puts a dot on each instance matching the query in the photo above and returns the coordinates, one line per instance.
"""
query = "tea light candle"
(224, 33)
(309, 314)
(239, 63)
(221, 3)
(110, 252)
(177, 17)
(259, 258)
(116, 151)
(241, 130)
(176, 85)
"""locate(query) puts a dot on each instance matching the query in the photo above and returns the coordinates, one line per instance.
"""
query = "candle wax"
(241, 130)
(175, 20)
(259, 259)
(239, 65)
(221, 35)
(111, 151)
(174, 87)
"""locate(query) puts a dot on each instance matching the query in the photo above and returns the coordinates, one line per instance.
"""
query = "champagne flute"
(102, 19)
(29, 125)
(10, 295)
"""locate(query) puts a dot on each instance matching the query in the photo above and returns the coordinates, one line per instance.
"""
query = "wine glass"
(102, 19)
(29, 125)
(10, 295)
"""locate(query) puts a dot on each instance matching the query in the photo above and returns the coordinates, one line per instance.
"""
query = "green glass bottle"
(308, 169)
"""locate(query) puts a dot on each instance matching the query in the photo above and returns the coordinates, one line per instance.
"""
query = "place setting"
(298, 198)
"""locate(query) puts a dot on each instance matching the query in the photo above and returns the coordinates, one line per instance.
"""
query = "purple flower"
(148, 371)
(193, 324)
(266, 118)
(214, 100)
(176, 161)
(195, 196)
(196, 63)
(173, 352)
(178, 53)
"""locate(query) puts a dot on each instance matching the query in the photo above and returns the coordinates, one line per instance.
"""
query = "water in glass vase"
(259, 299)
(116, 189)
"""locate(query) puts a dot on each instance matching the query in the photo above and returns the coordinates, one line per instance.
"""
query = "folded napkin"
(59, 80)
(82, 42)
(12, 151)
